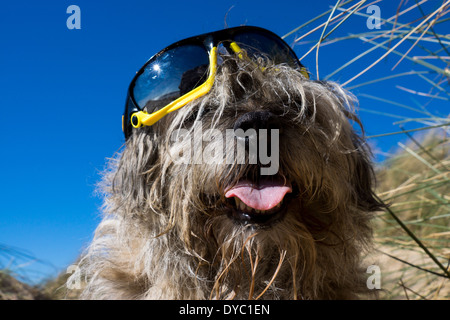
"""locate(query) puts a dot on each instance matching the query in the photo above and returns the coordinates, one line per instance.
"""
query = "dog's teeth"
(237, 201)
(242, 205)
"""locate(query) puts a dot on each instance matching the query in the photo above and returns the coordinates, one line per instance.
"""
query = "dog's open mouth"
(260, 203)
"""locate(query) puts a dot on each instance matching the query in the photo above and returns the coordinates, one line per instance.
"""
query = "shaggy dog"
(189, 230)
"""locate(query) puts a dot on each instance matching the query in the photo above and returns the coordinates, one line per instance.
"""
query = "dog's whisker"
(277, 270)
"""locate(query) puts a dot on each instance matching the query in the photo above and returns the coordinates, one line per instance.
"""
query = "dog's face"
(264, 182)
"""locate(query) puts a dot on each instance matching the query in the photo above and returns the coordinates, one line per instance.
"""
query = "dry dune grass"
(415, 263)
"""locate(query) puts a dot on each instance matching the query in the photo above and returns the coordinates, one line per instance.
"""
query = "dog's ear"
(363, 175)
(363, 178)
(133, 171)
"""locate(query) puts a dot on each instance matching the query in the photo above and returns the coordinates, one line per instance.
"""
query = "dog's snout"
(257, 120)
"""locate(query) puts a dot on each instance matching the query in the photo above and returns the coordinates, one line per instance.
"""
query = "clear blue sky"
(62, 94)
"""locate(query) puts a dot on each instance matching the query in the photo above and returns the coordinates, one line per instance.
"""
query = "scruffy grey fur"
(166, 232)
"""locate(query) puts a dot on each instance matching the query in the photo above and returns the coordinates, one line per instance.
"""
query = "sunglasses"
(185, 71)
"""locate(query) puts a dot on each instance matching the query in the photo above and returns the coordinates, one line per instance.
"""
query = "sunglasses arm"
(243, 55)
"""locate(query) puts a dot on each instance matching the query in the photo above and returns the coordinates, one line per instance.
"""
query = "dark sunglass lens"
(266, 46)
(170, 75)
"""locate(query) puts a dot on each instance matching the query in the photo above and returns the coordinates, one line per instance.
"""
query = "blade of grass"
(405, 288)
(418, 157)
(411, 130)
(421, 147)
(432, 30)
(398, 14)
(387, 78)
(431, 120)
(382, 113)
(428, 218)
(416, 186)
(318, 17)
(342, 21)
(400, 25)
(383, 34)
(421, 62)
(312, 20)
(355, 59)
(322, 38)
(396, 45)
(422, 106)
(434, 84)
(413, 265)
(418, 242)
(420, 37)
(391, 102)
(423, 94)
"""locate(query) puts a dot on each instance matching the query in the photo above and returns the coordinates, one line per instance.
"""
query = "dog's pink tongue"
(264, 196)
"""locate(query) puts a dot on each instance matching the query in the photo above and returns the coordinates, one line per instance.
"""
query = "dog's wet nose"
(257, 120)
